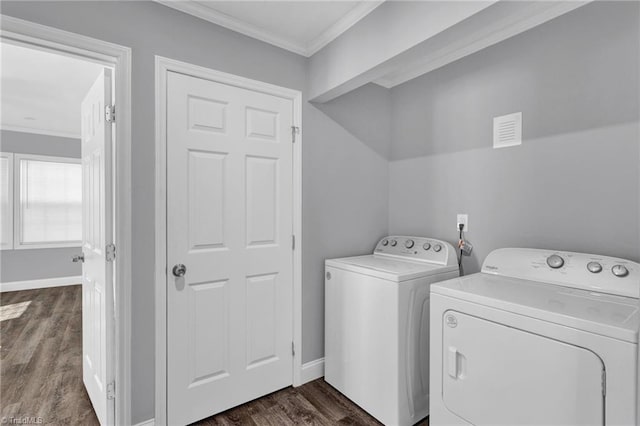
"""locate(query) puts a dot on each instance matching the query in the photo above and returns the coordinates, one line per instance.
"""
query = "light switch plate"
(464, 219)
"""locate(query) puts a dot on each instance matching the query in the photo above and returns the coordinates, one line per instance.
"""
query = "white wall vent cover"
(507, 130)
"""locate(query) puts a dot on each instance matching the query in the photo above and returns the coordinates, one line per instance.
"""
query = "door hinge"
(110, 113)
(110, 251)
(294, 131)
(604, 383)
(293, 242)
(293, 349)
(111, 390)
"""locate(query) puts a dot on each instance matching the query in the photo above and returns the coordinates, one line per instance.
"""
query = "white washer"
(538, 337)
(377, 325)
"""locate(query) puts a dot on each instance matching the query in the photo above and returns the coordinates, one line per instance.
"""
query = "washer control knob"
(385, 242)
(437, 248)
(409, 243)
(620, 271)
(426, 246)
(594, 267)
(394, 243)
(555, 261)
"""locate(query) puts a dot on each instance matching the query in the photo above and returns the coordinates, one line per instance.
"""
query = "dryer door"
(497, 375)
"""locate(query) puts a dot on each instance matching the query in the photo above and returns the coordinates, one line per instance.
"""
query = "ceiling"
(302, 26)
(42, 91)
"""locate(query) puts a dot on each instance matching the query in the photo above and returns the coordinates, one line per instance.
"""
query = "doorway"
(228, 231)
(48, 206)
(48, 210)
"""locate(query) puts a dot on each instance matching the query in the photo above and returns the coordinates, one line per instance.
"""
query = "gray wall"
(33, 264)
(351, 215)
(366, 114)
(574, 182)
(345, 199)
(345, 191)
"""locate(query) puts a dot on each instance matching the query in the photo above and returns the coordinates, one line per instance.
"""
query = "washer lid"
(604, 314)
(388, 268)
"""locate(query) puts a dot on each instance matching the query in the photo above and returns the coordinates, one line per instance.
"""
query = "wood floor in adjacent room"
(41, 372)
(41, 357)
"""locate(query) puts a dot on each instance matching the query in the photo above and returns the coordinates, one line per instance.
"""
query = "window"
(47, 201)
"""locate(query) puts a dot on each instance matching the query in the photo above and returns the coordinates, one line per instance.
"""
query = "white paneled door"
(229, 247)
(97, 234)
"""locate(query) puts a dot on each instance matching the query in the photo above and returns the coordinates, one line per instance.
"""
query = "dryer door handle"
(453, 362)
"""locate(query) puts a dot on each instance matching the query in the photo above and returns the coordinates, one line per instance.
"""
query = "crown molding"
(208, 14)
(201, 11)
(46, 132)
(342, 25)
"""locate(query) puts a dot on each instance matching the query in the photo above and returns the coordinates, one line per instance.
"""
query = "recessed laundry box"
(377, 325)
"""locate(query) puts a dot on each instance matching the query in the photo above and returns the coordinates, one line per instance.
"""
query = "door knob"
(78, 258)
(179, 270)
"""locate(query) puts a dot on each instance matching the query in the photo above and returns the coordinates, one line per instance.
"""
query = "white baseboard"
(44, 283)
(149, 422)
(312, 370)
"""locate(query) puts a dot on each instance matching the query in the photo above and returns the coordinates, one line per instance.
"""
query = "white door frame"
(32, 35)
(163, 66)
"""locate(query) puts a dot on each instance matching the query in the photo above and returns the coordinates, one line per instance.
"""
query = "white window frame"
(17, 190)
(10, 244)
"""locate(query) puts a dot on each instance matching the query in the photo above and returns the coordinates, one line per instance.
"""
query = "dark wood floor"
(41, 358)
(315, 403)
(41, 373)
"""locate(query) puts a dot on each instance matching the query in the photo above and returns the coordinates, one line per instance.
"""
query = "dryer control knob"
(394, 243)
(426, 246)
(437, 248)
(620, 271)
(555, 261)
(594, 267)
(385, 242)
(409, 243)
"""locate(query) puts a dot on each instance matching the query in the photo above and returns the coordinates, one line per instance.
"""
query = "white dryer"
(377, 325)
(538, 337)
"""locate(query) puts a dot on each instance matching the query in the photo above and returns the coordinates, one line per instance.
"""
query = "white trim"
(162, 67)
(343, 24)
(46, 158)
(41, 283)
(487, 35)
(17, 194)
(46, 132)
(38, 36)
(312, 370)
(208, 14)
(297, 232)
(52, 245)
(202, 11)
(150, 422)
(10, 196)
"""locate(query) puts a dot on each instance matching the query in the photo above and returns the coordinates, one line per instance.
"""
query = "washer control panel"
(601, 274)
(417, 248)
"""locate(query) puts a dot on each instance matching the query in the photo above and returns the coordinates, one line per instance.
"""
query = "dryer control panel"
(417, 248)
(601, 274)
